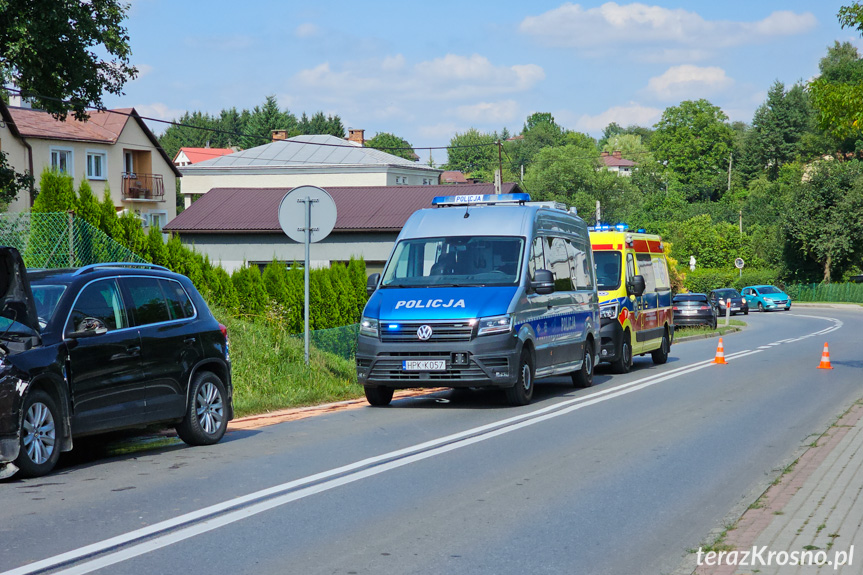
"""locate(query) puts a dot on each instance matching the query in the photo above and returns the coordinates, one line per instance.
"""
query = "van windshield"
(455, 261)
(607, 265)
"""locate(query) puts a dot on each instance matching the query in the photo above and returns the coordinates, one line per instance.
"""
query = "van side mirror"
(372, 284)
(543, 282)
(636, 286)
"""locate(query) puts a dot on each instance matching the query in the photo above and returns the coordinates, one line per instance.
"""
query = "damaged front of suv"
(19, 333)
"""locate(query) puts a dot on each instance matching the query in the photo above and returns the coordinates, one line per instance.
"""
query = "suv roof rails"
(92, 267)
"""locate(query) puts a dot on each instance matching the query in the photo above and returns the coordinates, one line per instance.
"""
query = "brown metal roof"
(371, 208)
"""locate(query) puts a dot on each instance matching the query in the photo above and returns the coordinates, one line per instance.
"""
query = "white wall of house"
(235, 250)
(17, 157)
(196, 180)
(132, 138)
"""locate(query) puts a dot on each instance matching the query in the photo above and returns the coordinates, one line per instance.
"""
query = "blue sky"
(425, 71)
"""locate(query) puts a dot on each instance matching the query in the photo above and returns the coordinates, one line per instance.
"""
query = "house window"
(128, 164)
(157, 219)
(96, 165)
(61, 160)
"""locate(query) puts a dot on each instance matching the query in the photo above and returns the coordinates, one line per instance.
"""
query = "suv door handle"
(190, 340)
(133, 351)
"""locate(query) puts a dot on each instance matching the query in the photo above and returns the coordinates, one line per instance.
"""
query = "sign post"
(299, 226)
(739, 263)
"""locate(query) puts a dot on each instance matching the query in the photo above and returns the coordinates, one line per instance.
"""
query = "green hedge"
(337, 294)
(846, 292)
(704, 280)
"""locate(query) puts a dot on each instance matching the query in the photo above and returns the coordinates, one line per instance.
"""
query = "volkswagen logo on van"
(424, 332)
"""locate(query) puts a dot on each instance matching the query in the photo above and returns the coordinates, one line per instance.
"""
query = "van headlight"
(609, 311)
(495, 324)
(369, 326)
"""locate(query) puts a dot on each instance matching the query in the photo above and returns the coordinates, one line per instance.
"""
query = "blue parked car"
(766, 298)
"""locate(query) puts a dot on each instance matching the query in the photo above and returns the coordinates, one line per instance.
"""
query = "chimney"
(617, 154)
(603, 154)
(356, 136)
(279, 135)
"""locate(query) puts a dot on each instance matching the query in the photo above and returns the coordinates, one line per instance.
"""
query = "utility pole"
(498, 177)
(730, 157)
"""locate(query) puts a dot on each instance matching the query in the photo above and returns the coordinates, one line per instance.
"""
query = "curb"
(829, 305)
(731, 329)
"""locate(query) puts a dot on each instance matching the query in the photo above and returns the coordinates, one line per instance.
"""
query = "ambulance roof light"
(480, 199)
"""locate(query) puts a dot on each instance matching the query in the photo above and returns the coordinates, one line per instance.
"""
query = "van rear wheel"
(522, 392)
(623, 363)
(584, 376)
(660, 355)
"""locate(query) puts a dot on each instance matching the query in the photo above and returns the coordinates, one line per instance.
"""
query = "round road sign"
(292, 213)
(738, 263)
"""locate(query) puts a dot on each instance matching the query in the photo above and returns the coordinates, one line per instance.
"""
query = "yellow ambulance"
(634, 296)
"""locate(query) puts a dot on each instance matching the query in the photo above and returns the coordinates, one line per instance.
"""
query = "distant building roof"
(196, 155)
(453, 177)
(371, 208)
(306, 151)
(614, 160)
(103, 127)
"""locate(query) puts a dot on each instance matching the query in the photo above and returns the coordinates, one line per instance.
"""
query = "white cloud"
(143, 70)
(159, 111)
(488, 112)
(654, 28)
(306, 30)
(440, 130)
(688, 81)
(623, 115)
(447, 78)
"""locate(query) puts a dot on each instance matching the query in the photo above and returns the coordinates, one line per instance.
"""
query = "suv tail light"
(224, 330)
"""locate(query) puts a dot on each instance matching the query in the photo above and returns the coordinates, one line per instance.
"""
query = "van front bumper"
(610, 339)
(485, 361)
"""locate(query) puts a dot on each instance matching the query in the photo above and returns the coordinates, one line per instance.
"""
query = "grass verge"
(269, 372)
(721, 329)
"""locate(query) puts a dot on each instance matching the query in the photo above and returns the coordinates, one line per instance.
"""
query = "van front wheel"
(379, 396)
(522, 392)
(623, 363)
(584, 376)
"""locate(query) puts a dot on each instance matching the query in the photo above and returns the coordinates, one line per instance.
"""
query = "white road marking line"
(349, 474)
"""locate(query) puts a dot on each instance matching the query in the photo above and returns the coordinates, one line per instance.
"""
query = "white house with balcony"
(113, 150)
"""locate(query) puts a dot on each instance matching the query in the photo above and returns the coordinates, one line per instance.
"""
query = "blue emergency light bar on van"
(480, 199)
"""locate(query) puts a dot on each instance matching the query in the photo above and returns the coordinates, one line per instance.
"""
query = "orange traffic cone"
(825, 358)
(720, 353)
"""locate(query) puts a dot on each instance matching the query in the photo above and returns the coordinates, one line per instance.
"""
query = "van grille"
(441, 332)
(391, 370)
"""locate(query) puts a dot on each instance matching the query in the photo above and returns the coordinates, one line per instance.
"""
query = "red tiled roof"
(379, 208)
(612, 162)
(453, 177)
(196, 155)
(102, 127)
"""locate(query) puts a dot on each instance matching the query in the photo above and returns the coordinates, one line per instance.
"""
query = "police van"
(488, 291)
(635, 296)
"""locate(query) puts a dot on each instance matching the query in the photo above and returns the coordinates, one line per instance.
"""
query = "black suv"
(101, 348)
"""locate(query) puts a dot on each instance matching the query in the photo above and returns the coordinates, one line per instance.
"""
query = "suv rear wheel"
(39, 444)
(206, 420)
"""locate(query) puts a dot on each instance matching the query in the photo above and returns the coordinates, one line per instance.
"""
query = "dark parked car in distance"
(693, 309)
(720, 297)
(101, 348)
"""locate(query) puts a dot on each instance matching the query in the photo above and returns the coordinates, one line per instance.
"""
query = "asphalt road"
(621, 478)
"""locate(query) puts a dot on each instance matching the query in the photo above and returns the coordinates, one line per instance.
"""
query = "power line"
(240, 134)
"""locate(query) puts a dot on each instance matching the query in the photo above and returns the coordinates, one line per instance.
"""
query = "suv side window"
(179, 304)
(148, 301)
(99, 305)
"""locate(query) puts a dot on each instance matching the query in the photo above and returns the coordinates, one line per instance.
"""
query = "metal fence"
(844, 292)
(340, 341)
(60, 240)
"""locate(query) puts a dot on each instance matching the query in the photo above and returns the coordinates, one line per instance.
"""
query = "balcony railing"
(148, 187)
